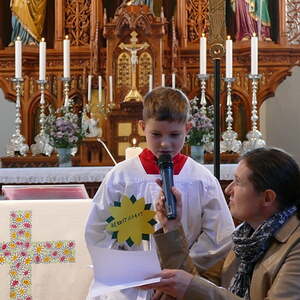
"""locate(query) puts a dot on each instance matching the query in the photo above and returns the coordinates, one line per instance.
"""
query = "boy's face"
(164, 137)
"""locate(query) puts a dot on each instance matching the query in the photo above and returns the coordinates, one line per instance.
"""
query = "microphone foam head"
(164, 160)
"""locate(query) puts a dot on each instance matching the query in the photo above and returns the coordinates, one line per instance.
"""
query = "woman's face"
(245, 202)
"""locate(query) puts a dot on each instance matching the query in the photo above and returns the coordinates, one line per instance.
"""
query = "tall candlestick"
(150, 82)
(203, 54)
(99, 89)
(89, 87)
(163, 79)
(173, 80)
(228, 57)
(254, 55)
(18, 58)
(110, 89)
(42, 52)
(66, 57)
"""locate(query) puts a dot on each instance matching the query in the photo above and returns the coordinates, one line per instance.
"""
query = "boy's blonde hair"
(166, 104)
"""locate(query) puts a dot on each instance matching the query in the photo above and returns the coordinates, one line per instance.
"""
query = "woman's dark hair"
(276, 170)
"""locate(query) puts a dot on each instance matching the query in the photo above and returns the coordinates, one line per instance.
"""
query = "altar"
(91, 177)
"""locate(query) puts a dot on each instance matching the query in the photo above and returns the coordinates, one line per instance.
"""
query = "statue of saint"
(27, 20)
(252, 16)
(89, 126)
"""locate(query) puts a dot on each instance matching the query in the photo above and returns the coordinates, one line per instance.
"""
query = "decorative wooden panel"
(197, 19)
(293, 21)
(77, 21)
(145, 68)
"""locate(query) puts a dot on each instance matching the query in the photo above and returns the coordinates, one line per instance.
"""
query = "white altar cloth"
(75, 174)
(43, 255)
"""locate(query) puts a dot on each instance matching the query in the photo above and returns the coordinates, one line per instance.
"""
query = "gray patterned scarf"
(249, 246)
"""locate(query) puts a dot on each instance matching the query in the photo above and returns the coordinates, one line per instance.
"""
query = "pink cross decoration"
(20, 253)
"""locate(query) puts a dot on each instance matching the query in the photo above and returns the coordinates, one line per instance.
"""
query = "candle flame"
(66, 37)
(43, 40)
(203, 34)
(18, 38)
(254, 34)
(228, 37)
(134, 141)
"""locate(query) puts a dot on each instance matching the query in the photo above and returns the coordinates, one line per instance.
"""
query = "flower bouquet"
(202, 132)
(64, 130)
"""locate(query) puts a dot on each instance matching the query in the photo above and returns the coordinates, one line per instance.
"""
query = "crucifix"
(133, 48)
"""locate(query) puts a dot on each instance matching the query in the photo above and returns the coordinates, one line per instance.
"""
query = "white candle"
(66, 57)
(228, 57)
(163, 79)
(173, 80)
(150, 82)
(89, 87)
(132, 151)
(203, 55)
(99, 89)
(254, 55)
(18, 58)
(110, 89)
(42, 52)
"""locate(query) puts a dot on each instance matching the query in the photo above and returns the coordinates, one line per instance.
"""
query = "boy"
(206, 218)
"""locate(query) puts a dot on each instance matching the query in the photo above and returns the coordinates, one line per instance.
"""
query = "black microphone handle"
(167, 183)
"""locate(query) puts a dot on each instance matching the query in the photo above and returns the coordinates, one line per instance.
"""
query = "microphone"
(165, 165)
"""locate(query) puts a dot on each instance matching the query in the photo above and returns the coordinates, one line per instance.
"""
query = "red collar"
(149, 162)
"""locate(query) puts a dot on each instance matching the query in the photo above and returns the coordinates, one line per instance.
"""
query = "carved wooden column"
(181, 22)
(59, 24)
(282, 38)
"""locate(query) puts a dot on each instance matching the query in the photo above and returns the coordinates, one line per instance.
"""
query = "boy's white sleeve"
(217, 225)
(95, 233)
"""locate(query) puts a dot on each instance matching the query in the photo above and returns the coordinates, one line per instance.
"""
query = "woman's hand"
(168, 225)
(173, 283)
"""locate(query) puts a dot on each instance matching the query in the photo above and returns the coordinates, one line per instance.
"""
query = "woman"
(264, 262)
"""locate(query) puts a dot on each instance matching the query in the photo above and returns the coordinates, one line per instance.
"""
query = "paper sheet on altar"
(117, 269)
(51, 221)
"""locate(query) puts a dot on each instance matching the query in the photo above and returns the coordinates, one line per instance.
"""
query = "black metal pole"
(217, 91)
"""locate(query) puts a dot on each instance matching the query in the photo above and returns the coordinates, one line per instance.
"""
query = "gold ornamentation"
(145, 69)
(123, 71)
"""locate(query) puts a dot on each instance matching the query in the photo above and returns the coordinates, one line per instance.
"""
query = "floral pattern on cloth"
(20, 253)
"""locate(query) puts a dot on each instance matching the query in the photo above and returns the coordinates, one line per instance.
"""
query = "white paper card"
(116, 269)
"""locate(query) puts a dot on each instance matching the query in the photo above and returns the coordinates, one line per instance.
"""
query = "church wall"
(280, 116)
(7, 118)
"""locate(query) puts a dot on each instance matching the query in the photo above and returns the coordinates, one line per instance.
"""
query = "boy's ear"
(188, 126)
(142, 124)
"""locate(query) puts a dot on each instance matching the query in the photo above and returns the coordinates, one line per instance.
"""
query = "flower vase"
(64, 157)
(197, 153)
